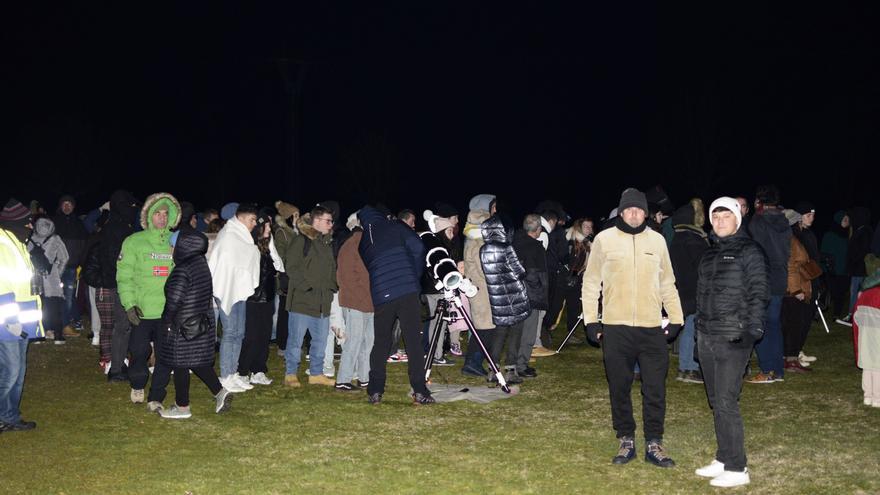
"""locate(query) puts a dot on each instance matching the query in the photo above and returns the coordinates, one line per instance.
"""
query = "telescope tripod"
(441, 314)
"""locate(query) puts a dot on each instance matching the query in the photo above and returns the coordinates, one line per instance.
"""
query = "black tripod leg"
(570, 333)
(435, 337)
(479, 341)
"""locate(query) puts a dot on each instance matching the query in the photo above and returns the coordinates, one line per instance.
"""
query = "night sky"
(412, 104)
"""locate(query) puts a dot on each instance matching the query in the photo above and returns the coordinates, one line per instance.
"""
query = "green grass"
(810, 434)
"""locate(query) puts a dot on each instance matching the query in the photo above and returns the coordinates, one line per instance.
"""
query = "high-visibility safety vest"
(17, 304)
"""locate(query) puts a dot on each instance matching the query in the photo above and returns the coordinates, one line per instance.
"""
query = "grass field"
(808, 435)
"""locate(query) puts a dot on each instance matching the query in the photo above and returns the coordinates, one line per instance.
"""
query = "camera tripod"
(443, 313)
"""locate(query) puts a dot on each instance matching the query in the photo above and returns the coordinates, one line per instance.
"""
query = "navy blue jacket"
(393, 254)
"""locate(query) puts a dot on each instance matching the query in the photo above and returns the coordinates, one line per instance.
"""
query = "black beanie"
(632, 197)
(804, 207)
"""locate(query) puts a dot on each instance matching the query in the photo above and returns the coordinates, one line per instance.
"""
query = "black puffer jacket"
(732, 288)
(504, 275)
(770, 230)
(91, 271)
(531, 254)
(188, 293)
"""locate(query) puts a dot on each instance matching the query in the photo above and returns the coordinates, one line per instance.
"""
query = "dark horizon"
(363, 103)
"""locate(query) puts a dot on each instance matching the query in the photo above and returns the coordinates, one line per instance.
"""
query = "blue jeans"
(318, 328)
(686, 346)
(769, 348)
(359, 339)
(233, 334)
(70, 310)
(13, 364)
(854, 284)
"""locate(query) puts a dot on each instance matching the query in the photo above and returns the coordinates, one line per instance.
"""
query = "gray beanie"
(632, 197)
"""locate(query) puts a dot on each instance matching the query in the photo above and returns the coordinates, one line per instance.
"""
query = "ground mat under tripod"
(479, 394)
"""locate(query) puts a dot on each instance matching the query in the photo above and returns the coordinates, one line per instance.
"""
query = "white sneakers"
(260, 379)
(805, 360)
(729, 479)
(235, 383)
(137, 396)
(722, 478)
(154, 406)
(712, 470)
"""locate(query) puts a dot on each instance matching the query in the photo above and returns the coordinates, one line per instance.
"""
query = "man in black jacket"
(771, 231)
(120, 224)
(72, 231)
(731, 300)
(859, 247)
(531, 254)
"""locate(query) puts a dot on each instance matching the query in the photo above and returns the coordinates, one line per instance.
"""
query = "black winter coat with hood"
(771, 231)
(860, 242)
(124, 211)
(504, 274)
(393, 254)
(688, 245)
(188, 292)
(732, 288)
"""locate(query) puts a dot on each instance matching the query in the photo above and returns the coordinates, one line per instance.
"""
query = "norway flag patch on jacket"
(161, 271)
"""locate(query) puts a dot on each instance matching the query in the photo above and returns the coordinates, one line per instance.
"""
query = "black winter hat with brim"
(632, 197)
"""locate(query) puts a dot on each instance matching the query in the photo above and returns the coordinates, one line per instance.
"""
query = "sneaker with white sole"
(804, 358)
(712, 470)
(154, 406)
(242, 381)
(846, 320)
(232, 385)
(260, 379)
(729, 479)
(223, 401)
(137, 396)
(176, 412)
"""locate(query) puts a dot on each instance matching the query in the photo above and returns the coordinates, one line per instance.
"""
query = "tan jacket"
(352, 276)
(634, 275)
(797, 281)
(481, 311)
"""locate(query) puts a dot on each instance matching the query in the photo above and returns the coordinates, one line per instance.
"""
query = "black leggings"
(257, 333)
(181, 383)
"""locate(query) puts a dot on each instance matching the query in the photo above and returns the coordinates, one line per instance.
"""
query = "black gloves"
(594, 333)
(672, 330)
(134, 315)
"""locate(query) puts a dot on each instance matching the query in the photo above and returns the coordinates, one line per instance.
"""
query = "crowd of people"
(165, 288)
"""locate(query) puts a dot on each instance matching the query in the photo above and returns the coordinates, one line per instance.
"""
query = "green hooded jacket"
(312, 277)
(145, 259)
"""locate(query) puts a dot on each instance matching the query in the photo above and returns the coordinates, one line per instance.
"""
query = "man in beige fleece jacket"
(629, 267)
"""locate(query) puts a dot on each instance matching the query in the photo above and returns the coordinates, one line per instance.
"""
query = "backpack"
(41, 263)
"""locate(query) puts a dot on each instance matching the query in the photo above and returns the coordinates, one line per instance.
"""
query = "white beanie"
(729, 203)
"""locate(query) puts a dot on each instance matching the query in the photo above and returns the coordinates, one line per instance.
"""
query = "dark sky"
(413, 104)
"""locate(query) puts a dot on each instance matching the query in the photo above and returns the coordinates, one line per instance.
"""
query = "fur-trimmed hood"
(154, 202)
(474, 219)
(304, 225)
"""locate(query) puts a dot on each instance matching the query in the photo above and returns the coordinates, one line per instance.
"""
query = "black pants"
(52, 312)
(838, 285)
(280, 326)
(513, 336)
(722, 363)
(257, 333)
(622, 346)
(139, 347)
(181, 383)
(797, 316)
(573, 307)
(408, 309)
(557, 296)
